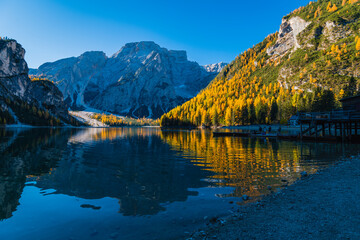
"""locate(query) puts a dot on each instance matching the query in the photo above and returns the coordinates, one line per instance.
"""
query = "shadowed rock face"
(47, 94)
(140, 80)
(23, 153)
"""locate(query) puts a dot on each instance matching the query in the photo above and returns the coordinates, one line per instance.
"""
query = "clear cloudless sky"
(210, 31)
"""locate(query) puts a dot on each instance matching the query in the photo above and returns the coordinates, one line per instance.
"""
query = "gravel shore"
(325, 205)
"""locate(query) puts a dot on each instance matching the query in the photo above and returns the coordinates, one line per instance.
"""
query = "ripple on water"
(131, 175)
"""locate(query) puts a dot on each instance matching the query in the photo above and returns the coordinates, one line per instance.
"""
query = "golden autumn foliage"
(252, 90)
(331, 8)
(357, 43)
(113, 120)
(222, 156)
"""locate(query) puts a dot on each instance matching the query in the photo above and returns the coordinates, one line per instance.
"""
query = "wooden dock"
(230, 134)
(334, 126)
(331, 126)
(242, 134)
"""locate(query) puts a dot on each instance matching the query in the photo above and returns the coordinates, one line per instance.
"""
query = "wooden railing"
(330, 116)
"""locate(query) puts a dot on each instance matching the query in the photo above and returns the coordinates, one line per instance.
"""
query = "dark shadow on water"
(26, 152)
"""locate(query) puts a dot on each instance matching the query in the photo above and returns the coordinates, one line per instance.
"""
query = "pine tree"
(244, 113)
(351, 88)
(206, 121)
(251, 113)
(273, 111)
(228, 117)
(214, 117)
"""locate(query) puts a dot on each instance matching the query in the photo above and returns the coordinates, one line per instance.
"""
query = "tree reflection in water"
(146, 168)
(252, 164)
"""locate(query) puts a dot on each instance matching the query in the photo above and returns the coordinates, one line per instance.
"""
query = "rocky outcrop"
(142, 79)
(47, 95)
(18, 91)
(13, 68)
(289, 30)
(334, 32)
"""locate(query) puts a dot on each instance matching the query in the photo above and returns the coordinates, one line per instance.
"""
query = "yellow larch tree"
(357, 41)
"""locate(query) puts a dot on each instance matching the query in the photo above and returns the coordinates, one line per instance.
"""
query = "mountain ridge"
(142, 79)
(23, 101)
(309, 65)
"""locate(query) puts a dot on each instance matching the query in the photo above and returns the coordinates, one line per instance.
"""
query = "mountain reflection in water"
(146, 169)
(131, 165)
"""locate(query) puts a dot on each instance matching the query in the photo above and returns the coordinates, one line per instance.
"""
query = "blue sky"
(210, 31)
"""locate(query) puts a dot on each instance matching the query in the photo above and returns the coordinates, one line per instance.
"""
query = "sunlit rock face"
(13, 68)
(289, 30)
(15, 84)
(142, 79)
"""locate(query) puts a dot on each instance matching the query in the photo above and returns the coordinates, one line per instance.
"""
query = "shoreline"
(319, 206)
(274, 127)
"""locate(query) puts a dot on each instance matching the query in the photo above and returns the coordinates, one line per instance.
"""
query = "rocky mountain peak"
(93, 54)
(12, 61)
(215, 67)
(141, 80)
(137, 49)
(13, 68)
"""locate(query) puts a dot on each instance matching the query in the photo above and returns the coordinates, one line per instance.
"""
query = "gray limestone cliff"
(142, 79)
(18, 94)
(288, 33)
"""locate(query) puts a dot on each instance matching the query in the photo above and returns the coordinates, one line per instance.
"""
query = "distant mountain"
(141, 80)
(23, 101)
(309, 65)
(215, 68)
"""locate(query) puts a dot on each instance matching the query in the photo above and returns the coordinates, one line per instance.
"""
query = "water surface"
(138, 183)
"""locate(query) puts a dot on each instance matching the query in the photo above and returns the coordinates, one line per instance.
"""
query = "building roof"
(294, 117)
(349, 98)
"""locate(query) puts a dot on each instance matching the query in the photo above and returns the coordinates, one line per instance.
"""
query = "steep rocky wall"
(142, 79)
(20, 97)
(13, 68)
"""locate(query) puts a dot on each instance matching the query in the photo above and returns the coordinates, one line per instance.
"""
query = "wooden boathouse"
(337, 125)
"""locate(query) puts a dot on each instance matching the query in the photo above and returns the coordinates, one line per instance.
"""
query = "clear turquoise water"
(138, 183)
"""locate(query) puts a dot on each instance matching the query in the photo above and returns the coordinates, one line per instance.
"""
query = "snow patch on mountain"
(142, 79)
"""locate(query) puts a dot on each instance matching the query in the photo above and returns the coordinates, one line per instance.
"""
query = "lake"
(139, 183)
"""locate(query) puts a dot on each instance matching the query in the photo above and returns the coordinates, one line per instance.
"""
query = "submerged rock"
(90, 206)
(245, 197)
(304, 174)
